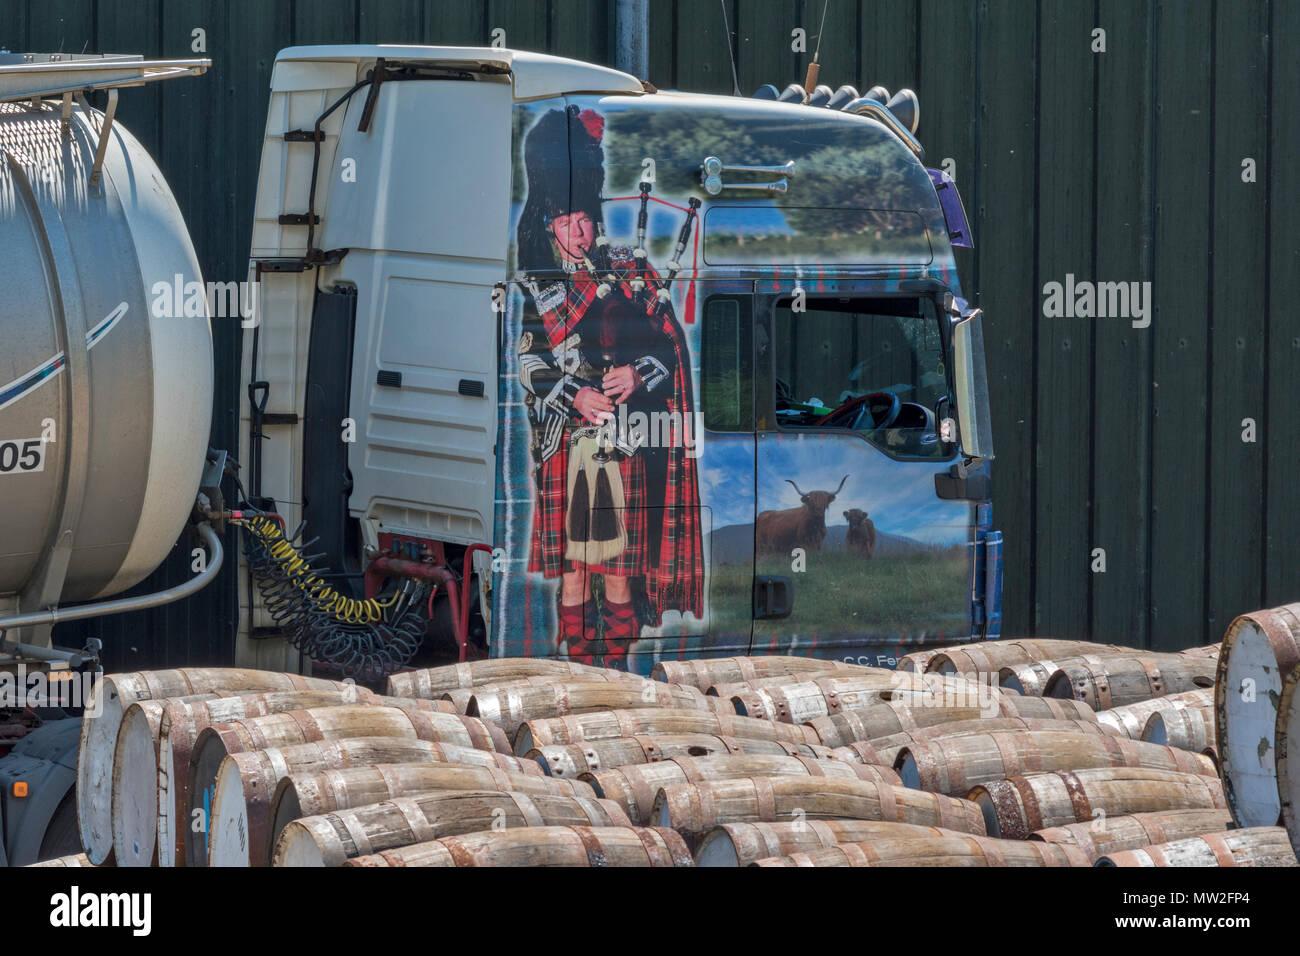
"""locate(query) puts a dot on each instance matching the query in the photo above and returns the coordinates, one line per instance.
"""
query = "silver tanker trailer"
(105, 406)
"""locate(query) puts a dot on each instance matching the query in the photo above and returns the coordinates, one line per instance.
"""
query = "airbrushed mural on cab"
(626, 531)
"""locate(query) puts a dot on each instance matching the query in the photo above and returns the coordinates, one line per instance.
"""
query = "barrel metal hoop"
(764, 798)
(591, 846)
(460, 854)
(1078, 797)
(354, 840)
(648, 747)
(1154, 680)
(706, 804)
(904, 715)
(1218, 845)
(988, 850)
(527, 808)
(1015, 761)
(642, 796)
(413, 814)
(813, 766)
(626, 725)
(859, 854)
(889, 803)
(1101, 683)
(1155, 833)
(1029, 803)
(1156, 855)
(732, 744)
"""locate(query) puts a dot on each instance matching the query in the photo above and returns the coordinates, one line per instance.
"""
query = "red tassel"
(689, 307)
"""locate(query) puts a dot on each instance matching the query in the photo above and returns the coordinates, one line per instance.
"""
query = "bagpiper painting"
(615, 518)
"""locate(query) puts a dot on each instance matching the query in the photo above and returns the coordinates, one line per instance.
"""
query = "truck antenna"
(814, 68)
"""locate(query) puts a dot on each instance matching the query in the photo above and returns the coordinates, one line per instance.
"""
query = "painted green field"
(905, 595)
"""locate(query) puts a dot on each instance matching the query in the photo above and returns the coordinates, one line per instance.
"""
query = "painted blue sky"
(899, 495)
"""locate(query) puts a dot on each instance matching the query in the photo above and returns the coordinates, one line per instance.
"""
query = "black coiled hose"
(365, 639)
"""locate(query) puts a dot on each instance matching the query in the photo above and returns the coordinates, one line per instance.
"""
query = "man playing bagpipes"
(605, 505)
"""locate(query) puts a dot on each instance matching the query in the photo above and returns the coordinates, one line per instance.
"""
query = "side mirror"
(971, 380)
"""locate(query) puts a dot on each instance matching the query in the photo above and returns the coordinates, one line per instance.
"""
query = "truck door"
(856, 557)
(726, 461)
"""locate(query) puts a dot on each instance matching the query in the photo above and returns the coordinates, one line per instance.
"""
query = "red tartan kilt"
(550, 505)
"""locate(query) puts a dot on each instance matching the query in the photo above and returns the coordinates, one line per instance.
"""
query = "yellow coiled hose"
(299, 573)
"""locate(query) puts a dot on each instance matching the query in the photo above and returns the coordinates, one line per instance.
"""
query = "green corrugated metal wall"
(1121, 165)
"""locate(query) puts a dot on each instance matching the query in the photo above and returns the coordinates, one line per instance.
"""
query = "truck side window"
(727, 364)
(874, 366)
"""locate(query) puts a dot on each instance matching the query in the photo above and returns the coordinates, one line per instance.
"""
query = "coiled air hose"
(364, 638)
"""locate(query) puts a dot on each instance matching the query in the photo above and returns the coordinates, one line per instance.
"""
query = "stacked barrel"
(1008, 753)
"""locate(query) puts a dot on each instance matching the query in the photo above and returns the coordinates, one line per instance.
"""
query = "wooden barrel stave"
(740, 844)
(510, 706)
(814, 697)
(149, 780)
(959, 850)
(75, 859)
(251, 810)
(432, 682)
(460, 697)
(1029, 678)
(603, 725)
(327, 791)
(1131, 719)
(1187, 728)
(263, 770)
(903, 716)
(884, 750)
(1254, 846)
(334, 838)
(572, 760)
(955, 764)
(1108, 682)
(109, 699)
(692, 809)
(543, 846)
(635, 787)
(704, 673)
(1019, 805)
(1129, 832)
(989, 657)
(917, 661)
